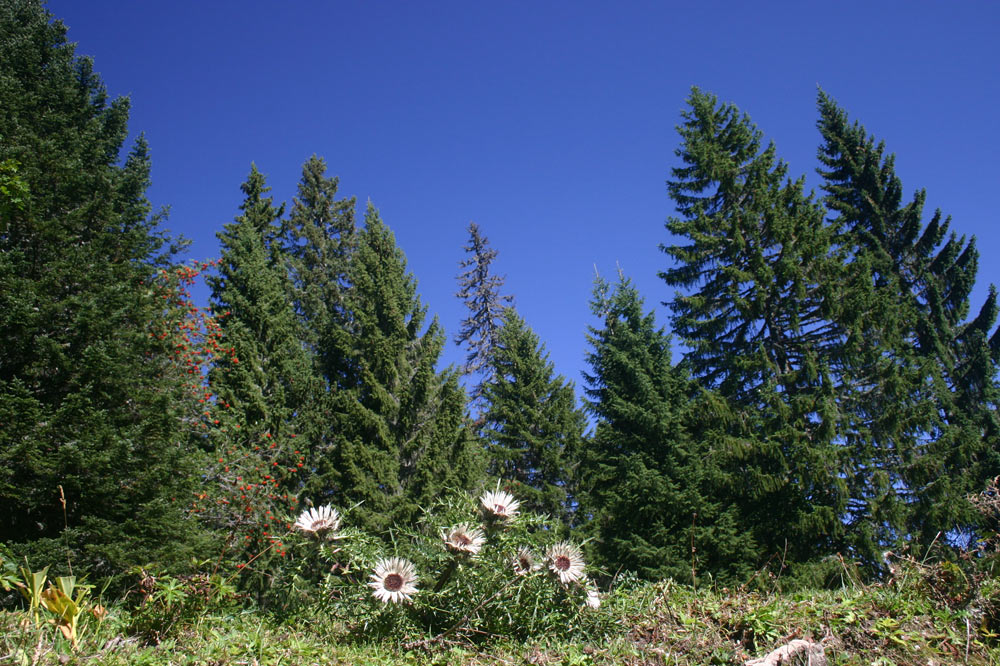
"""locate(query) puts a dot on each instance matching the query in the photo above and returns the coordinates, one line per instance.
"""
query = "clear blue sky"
(550, 124)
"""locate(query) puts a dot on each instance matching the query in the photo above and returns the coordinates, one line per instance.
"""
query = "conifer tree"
(480, 291)
(319, 237)
(921, 385)
(92, 400)
(753, 317)
(533, 428)
(401, 431)
(266, 378)
(654, 492)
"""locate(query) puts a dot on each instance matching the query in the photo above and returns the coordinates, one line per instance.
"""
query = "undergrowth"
(903, 621)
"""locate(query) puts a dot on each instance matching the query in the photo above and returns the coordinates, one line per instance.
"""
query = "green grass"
(922, 617)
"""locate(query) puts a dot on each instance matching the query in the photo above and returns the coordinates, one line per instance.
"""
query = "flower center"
(462, 539)
(562, 563)
(499, 509)
(393, 582)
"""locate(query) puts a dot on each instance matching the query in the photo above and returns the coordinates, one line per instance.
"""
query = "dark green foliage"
(92, 398)
(921, 392)
(319, 237)
(401, 432)
(265, 374)
(757, 281)
(480, 291)
(652, 489)
(533, 429)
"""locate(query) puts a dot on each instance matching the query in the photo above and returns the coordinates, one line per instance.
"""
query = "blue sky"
(550, 124)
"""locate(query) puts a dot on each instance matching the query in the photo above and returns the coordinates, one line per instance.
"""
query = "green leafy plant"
(31, 586)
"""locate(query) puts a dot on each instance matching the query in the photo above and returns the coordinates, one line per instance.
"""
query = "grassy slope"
(915, 619)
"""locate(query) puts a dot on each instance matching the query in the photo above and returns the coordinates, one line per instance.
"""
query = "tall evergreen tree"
(533, 428)
(653, 490)
(92, 398)
(402, 433)
(753, 318)
(480, 291)
(319, 238)
(266, 375)
(922, 391)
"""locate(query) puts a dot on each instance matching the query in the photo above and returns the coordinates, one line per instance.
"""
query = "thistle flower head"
(393, 580)
(319, 521)
(593, 599)
(565, 560)
(463, 538)
(524, 562)
(499, 504)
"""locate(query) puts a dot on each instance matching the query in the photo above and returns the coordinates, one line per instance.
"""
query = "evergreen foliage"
(266, 375)
(402, 435)
(753, 316)
(532, 426)
(837, 393)
(652, 489)
(480, 291)
(920, 391)
(319, 238)
(93, 403)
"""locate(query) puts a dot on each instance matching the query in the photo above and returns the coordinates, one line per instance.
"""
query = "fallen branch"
(786, 654)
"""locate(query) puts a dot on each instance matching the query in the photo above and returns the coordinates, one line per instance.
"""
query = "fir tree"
(533, 429)
(402, 435)
(92, 398)
(754, 319)
(654, 491)
(480, 291)
(921, 392)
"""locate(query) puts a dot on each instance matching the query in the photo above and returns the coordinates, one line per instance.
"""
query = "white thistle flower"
(393, 580)
(319, 521)
(593, 599)
(524, 562)
(565, 561)
(500, 504)
(463, 538)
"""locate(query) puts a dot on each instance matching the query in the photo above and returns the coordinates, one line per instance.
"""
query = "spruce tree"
(265, 376)
(319, 238)
(533, 428)
(753, 315)
(480, 292)
(93, 402)
(653, 490)
(402, 436)
(921, 392)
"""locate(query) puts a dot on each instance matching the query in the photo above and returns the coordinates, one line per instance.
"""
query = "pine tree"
(93, 401)
(753, 318)
(653, 490)
(533, 428)
(402, 433)
(480, 291)
(922, 391)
